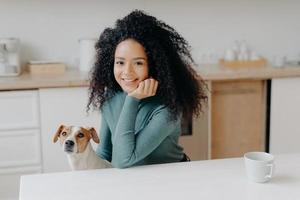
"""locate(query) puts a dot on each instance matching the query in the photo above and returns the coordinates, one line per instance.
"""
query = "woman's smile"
(129, 80)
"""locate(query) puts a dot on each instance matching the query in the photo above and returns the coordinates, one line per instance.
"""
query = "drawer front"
(19, 147)
(19, 109)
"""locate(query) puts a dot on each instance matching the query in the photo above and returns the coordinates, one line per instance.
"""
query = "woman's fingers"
(147, 86)
(150, 87)
(155, 87)
(141, 87)
(152, 84)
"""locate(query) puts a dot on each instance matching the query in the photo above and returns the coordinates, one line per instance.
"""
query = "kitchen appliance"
(9, 57)
(87, 53)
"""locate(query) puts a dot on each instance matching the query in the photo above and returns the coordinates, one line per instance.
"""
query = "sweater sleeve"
(130, 148)
(104, 149)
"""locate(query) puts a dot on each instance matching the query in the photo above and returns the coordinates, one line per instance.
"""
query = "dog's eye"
(63, 133)
(80, 135)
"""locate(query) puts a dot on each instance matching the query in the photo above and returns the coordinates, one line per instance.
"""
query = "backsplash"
(50, 29)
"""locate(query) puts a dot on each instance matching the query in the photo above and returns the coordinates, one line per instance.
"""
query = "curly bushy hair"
(169, 61)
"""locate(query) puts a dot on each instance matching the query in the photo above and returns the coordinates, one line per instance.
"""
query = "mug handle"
(271, 171)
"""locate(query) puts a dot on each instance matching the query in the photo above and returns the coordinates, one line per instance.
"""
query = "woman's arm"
(130, 148)
(104, 149)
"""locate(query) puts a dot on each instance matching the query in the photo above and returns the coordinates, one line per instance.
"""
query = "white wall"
(50, 29)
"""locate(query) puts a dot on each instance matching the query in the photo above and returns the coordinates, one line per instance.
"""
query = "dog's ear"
(94, 135)
(60, 128)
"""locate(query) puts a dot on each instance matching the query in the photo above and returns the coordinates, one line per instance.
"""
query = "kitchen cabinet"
(195, 144)
(285, 111)
(237, 118)
(20, 145)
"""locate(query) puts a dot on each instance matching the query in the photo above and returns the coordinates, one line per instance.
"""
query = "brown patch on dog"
(82, 142)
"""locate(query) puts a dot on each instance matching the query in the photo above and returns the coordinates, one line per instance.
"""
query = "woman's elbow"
(122, 162)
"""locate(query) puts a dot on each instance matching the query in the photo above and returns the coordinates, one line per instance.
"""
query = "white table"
(212, 179)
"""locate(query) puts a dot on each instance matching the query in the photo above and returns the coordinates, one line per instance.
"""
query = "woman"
(143, 83)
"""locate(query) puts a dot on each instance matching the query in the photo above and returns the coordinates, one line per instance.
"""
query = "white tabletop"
(212, 179)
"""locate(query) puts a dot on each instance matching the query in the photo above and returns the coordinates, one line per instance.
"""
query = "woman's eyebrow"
(120, 58)
(138, 58)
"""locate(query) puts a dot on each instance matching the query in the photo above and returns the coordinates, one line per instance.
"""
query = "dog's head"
(75, 139)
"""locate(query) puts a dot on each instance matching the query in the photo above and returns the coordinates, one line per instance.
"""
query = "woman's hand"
(146, 88)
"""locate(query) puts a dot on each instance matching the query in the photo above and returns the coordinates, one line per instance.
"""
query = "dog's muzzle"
(69, 146)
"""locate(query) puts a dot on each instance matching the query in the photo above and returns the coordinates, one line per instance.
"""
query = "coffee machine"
(9, 57)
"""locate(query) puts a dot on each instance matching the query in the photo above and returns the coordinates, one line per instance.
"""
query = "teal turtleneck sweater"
(138, 132)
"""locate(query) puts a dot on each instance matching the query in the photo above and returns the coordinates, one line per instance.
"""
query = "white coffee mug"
(259, 166)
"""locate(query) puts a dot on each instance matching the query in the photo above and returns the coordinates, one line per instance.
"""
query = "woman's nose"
(128, 68)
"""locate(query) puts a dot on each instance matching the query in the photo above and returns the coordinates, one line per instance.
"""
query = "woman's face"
(131, 65)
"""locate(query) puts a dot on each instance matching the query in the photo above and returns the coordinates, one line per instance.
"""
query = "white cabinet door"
(285, 112)
(62, 106)
(19, 110)
(19, 148)
(19, 139)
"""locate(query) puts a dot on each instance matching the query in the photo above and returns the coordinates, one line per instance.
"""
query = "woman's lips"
(129, 81)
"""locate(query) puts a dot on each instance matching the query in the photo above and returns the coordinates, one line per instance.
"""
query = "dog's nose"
(70, 143)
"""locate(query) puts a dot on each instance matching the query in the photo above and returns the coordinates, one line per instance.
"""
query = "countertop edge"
(75, 78)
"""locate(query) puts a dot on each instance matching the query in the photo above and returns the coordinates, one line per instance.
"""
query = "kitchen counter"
(71, 78)
(210, 179)
(74, 78)
(219, 73)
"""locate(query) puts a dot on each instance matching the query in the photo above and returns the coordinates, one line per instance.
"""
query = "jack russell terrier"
(75, 142)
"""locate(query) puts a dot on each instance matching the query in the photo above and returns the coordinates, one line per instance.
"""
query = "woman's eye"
(119, 62)
(139, 63)
(80, 135)
(63, 133)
